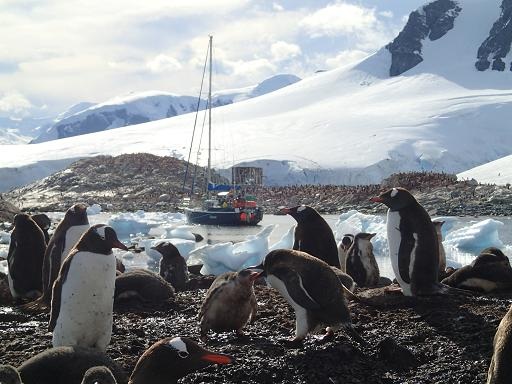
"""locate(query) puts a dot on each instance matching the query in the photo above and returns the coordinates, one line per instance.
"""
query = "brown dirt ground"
(448, 338)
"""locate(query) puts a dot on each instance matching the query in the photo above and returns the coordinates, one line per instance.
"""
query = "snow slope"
(353, 125)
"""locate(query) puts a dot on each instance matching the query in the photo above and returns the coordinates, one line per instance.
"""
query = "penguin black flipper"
(295, 287)
(57, 292)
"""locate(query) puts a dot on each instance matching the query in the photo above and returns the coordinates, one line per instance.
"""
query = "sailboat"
(224, 204)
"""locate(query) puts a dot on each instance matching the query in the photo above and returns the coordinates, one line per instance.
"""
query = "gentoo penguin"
(99, 375)
(44, 222)
(66, 365)
(9, 375)
(144, 285)
(500, 369)
(170, 359)
(83, 294)
(438, 224)
(313, 235)
(343, 248)
(66, 235)
(489, 272)
(229, 303)
(413, 244)
(25, 258)
(173, 267)
(311, 287)
(361, 263)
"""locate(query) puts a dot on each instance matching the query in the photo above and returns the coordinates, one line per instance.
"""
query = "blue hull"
(224, 216)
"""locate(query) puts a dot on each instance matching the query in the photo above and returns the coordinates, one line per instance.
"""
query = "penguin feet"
(328, 336)
(292, 343)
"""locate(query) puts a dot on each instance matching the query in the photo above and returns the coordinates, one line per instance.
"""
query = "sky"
(55, 53)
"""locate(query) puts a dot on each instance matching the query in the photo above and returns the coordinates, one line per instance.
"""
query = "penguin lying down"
(312, 288)
(489, 272)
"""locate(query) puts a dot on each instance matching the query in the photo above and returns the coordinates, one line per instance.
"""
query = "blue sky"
(59, 52)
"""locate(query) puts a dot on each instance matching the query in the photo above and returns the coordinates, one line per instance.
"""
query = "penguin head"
(42, 220)
(362, 240)
(347, 241)
(174, 358)
(491, 255)
(100, 238)
(9, 375)
(395, 198)
(300, 212)
(77, 214)
(247, 277)
(98, 374)
(168, 250)
(21, 219)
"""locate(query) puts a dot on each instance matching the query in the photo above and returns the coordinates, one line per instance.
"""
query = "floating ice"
(178, 232)
(142, 222)
(222, 257)
(94, 209)
(286, 242)
(5, 237)
(475, 237)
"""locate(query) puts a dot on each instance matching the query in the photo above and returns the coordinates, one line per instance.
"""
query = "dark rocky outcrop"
(433, 20)
(497, 45)
(7, 210)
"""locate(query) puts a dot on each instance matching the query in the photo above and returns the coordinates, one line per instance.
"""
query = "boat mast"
(209, 175)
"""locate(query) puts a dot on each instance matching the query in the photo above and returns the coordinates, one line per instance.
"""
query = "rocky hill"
(153, 183)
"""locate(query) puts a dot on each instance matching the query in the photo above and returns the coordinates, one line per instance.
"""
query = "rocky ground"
(441, 339)
(152, 183)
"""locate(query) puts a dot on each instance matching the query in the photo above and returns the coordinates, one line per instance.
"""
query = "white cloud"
(15, 103)
(163, 63)
(282, 50)
(337, 19)
(345, 57)
(388, 14)
(277, 7)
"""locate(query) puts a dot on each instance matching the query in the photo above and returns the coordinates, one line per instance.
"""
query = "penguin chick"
(83, 293)
(313, 235)
(170, 359)
(229, 303)
(9, 375)
(25, 258)
(144, 285)
(361, 263)
(99, 375)
(500, 369)
(489, 272)
(343, 248)
(173, 267)
(311, 287)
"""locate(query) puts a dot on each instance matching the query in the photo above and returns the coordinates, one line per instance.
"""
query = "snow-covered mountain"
(143, 107)
(354, 125)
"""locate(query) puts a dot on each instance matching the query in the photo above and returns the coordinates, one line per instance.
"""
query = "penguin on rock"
(173, 267)
(361, 263)
(312, 288)
(64, 238)
(83, 294)
(413, 244)
(313, 234)
(25, 258)
(229, 303)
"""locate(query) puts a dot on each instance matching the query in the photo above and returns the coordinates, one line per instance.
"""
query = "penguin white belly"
(73, 234)
(301, 319)
(394, 240)
(87, 298)
(11, 285)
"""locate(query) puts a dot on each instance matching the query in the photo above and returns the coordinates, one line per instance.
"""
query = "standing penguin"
(9, 375)
(343, 248)
(229, 303)
(44, 222)
(173, 267)
(361, 263)
(83, 294)
(66, 235)
(25, 258)
(312, 288)
(99, 375)
(438, 224)
(413, 243)
(500, 369)
(313, 235)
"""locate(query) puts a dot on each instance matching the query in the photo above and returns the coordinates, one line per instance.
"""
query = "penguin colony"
(75, 271)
